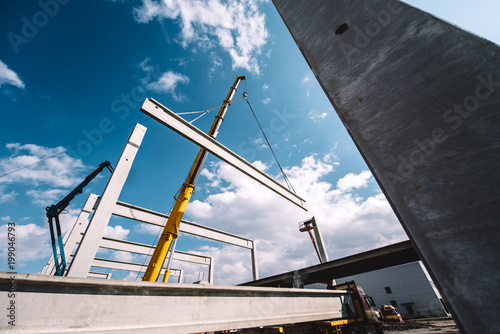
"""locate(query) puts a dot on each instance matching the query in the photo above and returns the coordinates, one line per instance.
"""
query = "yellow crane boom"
(171, 230)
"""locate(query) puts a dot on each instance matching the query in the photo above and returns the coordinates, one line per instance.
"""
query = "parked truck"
(361, 317)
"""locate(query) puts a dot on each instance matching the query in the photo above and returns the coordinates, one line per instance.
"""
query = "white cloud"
(216, 63)
(32, 243)
(259, 142)
(132, 276)
(316, 117)
(167, 84)
(124, 256)
(116, 232)
(305, 80)
(267, 100)
(57, 169)
(237, 26)
(144, 228)
(5, 218)
(9, 77)
(46, 197)
(265, 87)
(7, 196)
(354, 181)
(349, 223)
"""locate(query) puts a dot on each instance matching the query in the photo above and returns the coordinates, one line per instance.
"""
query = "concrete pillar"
(211, 271)
(420, 98)
(90, 243)
(255, 266)
(319, 241)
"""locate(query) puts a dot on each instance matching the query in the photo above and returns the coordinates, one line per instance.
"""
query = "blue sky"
(73, 72)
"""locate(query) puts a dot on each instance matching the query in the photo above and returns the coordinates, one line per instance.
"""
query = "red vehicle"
(360, 308)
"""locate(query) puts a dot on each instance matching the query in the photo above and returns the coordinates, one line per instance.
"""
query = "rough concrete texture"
(49, 304)
(420, 98)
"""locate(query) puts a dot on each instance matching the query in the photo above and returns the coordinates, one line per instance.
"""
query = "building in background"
(407, 287)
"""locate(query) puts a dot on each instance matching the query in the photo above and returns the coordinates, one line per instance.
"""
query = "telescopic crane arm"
(55, 210)
(171, 230)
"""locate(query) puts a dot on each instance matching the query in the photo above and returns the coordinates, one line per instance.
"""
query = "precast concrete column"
(255, 265)
(421, 100)
(319, 242)
(85, 254)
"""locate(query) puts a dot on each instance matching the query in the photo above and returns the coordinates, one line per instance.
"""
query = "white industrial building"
(407, 287)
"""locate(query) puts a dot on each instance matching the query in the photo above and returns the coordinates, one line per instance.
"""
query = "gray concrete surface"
(420, 98)
(422, 326)
(48, 304)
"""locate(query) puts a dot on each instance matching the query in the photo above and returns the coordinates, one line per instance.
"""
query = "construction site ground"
(422, 326)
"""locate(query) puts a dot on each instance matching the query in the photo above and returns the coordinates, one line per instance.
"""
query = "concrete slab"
(420, 98)
(47, 304)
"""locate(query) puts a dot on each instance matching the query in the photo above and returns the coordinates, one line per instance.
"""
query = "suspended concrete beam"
(110, 306)
(420, 98)
(168, 118)
(384, 257)
(90, 242)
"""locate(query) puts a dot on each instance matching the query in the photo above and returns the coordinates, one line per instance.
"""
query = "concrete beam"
(138, 248)
(420, 98)
(126, 266)
(156, 218)
(94, 274)
(388, 256)
(174, 122)
(319, 241)
(90, 242)
(109, 306)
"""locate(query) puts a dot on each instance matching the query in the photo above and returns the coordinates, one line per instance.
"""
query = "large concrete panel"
(48, 304)
(420, 97)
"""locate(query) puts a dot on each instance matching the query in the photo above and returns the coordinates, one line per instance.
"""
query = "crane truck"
(55, 210)
(358, 308)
